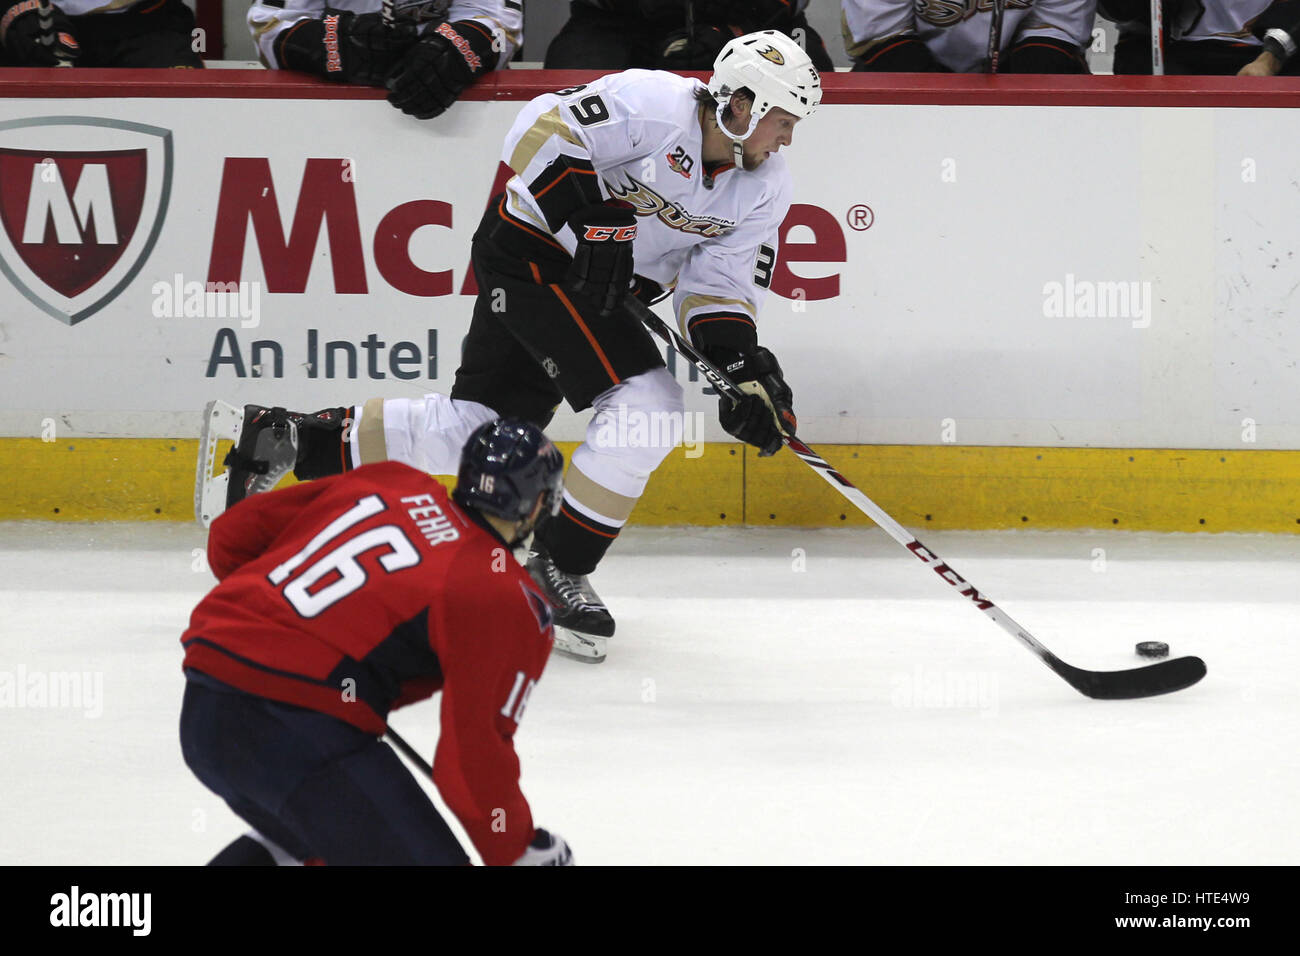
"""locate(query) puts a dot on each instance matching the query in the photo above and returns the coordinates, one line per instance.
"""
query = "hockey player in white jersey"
(642, 179)
(925, 36)
(426, 53)
(610, 35)
(1243, 37)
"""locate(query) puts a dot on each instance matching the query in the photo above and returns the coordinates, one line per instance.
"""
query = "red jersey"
(362, 592)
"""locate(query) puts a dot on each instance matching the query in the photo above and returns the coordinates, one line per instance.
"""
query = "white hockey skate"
(261, 455)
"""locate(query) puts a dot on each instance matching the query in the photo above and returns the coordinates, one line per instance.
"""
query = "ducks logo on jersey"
(646, 202)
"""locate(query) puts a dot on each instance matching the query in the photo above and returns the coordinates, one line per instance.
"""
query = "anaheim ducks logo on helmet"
(773, 68)
(777, 73)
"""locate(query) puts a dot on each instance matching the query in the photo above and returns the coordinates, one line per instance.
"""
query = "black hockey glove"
(436, 70)
(602, 267)
(766, 411)
(647, 290)
(681, 51)
(346, 47)
(24, 35)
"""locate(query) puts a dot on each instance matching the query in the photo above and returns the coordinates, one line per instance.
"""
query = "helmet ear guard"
(775, 70)
(507, 467)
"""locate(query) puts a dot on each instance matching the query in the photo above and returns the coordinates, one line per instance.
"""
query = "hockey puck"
(1153, 649)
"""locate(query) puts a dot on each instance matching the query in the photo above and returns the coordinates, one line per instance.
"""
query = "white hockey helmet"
(771, 66)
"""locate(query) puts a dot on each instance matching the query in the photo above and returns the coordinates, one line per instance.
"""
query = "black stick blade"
(1163, 678)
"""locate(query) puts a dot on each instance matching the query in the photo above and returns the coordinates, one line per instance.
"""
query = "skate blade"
(579, 647)
(221, 422)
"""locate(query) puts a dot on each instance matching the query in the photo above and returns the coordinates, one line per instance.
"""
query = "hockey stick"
(409, 752)
(1157, 38)
(995, 35)
(1161, 678)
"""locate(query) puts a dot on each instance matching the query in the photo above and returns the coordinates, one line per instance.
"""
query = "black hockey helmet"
(505, 467)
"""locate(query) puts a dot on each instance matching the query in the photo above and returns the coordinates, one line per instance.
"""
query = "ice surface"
(771, 696)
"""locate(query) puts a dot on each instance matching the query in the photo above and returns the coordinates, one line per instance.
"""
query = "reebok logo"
(333, 61)
(462, 45)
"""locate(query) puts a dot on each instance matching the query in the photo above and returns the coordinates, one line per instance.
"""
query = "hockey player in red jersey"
(635, 182)
(342, 599)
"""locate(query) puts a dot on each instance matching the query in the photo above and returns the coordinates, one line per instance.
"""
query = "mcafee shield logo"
(82, 200)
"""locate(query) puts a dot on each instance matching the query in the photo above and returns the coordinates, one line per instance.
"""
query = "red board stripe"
(840, 88)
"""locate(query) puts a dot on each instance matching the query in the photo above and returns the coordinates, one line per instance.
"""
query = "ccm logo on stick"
(606, 233)
(964, 587)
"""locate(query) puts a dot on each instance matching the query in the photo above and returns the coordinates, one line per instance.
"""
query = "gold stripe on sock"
(371, 444)
(586, 492)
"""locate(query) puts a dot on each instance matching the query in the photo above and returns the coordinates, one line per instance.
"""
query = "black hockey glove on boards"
(437, 69)
(346, 47)
(24, 32)
(766, 411)
(682, 50)
(602, 266)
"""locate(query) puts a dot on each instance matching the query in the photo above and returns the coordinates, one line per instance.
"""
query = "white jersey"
(79, 8)
(956, 32)
(1232, 21)
(640, 130)
(267, 19)
(660, 9)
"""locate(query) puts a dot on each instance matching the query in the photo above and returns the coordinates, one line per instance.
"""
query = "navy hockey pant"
(310, 782)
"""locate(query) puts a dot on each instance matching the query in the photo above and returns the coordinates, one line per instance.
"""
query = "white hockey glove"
(547, 849)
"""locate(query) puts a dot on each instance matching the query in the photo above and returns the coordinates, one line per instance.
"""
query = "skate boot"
(268, 442)
(265, 451)
(577, 605)
(582, 622)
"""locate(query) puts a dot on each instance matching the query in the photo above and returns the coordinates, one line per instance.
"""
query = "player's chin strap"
(525, 529)
(737, 142)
